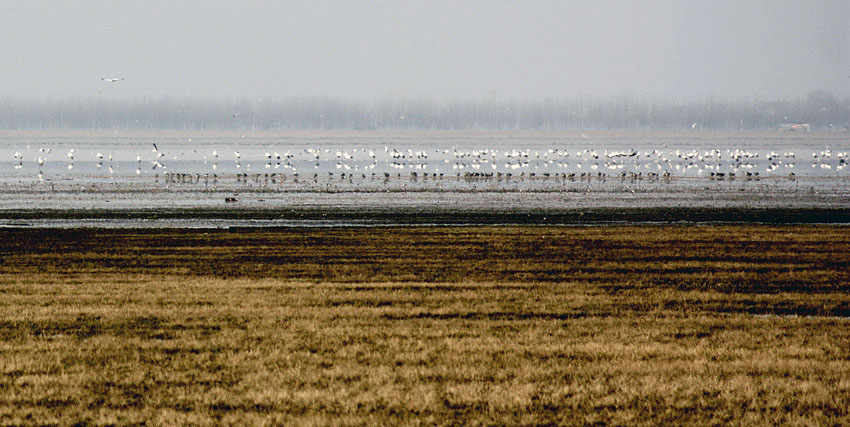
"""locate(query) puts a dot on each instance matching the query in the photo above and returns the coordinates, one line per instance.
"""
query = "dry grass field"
(711, 325)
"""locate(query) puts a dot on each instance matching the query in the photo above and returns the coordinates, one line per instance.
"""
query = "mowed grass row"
(172, 342)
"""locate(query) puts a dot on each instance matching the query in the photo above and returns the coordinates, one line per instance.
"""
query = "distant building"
(795, 127)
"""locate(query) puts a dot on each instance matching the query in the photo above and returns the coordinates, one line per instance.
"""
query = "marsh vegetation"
(406, 325)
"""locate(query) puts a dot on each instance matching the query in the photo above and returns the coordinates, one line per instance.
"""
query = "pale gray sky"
(441, 49)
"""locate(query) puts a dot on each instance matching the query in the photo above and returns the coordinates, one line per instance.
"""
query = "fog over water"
(691, 88)
(439, 50)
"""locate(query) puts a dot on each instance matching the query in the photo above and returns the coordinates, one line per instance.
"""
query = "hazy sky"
(441, 49)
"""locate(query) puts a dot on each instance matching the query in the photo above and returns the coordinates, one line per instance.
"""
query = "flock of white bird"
(447, 162)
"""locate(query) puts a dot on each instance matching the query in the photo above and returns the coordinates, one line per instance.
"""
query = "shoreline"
(341, 216)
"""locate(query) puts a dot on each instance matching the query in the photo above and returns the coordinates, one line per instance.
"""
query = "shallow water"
(103, 158)
(450, 174)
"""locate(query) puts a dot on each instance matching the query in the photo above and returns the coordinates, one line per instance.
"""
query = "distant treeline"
(822, 110)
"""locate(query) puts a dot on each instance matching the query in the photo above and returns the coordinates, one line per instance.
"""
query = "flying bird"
(112, 80)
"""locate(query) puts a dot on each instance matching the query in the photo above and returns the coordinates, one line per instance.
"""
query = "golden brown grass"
(517, 325)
